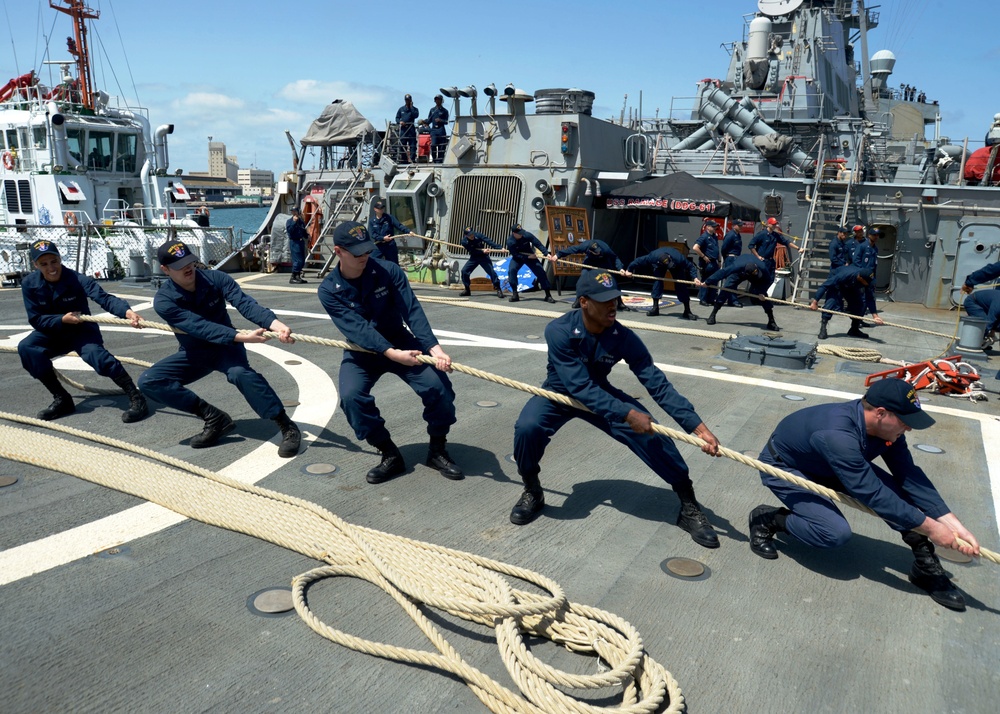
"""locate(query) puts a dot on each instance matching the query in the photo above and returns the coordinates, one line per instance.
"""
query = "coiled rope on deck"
(413, 573)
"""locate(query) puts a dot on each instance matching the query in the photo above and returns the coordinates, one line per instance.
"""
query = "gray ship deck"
(164, 626)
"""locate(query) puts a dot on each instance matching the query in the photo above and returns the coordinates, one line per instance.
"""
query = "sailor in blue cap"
(583, 347)
(731, 249)
(477, 244)
(195, 301)
(522, 245)
(759, 277)
(844, 286)
(297, 234)
(372, 303)
(834, 445)
(54, 298)
(659, 262)
(383, 229)
(596, 254)
(708, 250)
(839, 256)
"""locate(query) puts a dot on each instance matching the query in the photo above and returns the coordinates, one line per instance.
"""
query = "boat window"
(12, 139)
(40, 137)
(401, 207)
(74, 144)
(99, 146)
(126, 153)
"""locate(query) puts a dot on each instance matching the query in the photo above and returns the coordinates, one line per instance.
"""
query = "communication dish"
(776, 8)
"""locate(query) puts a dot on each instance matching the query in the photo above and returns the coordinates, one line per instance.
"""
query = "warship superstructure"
(804, 125)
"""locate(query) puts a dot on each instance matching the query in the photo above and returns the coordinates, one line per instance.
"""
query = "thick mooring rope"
(413, 573)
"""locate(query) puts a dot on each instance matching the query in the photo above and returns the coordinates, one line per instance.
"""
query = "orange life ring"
(8, 161)
(70, 221)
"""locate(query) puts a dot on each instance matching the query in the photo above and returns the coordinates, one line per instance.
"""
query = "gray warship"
(804, 126)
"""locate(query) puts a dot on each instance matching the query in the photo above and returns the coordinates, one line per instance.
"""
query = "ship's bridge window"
(125, 157)
(99, 148)
(40, 137)
(12, 139)
(74, 144)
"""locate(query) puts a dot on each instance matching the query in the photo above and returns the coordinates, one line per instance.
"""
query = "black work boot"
(514, 297)
(711, 318)
(137, 407)
(529, 506)
(438, 458)
(928, 575)
(622, 307)
(548, 297)
(771, 324)
(654, 311)
(392, 463)
(465, 293)
(687, 314)
(500, 293)
(62, 405)
(291, 437)
(693, 520)
(855, 331)
(297, 279)
(765, 522)
(217, 425)
(822, 329)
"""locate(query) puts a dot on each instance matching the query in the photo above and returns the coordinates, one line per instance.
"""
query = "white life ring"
(8, 161)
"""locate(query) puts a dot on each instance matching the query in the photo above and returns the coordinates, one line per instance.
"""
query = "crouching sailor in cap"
(522, 245)
(477, 245)
(834, 445)
(583, 346)
(54, 298)
(372, 303)
(597, 255)
(759, 277)
(194, 300)
(660, 262)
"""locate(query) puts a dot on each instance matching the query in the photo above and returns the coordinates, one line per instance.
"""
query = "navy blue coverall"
(295, 228)
(766, 243)
(983, 275)
(596, 254)
(437, 117)
(984, 304)
(406, 117)
(732, 248)
(476, 244)
(374, 312)
(579, 365)
(46, 303)
(208, 345)
(522, 252)
(661, 261)
(842, 287)
(839, 256)
(709, 246)
(828, 444)
(742, 268)
(380, 229)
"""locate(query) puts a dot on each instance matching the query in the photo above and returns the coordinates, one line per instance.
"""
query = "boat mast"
(80, 12)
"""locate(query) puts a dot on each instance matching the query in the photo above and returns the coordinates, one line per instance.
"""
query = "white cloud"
(208, 102)
(314, 92)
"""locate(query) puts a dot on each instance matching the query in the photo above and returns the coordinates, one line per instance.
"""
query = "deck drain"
(7, 481)
(271, 602)
(318, 469)
(929, 449)
(293, 361)
(720, 368)
(685, 569)
(289, 403)
(487, 404)
(116, 552)
(793, 397)
(531, 337)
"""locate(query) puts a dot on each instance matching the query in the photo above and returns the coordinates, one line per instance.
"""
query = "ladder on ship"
(343, 203)
(827, 212)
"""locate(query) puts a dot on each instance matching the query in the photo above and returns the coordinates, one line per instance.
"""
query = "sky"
(244, 72)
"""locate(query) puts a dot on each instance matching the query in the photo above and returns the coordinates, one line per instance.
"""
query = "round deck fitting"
(289, 403)
(318, 469)
(487, 404)
(685, 569)
(531, 337)
(720, 368)
(954, 556)
(115, 552)
(510, 458)
(7, 481)
(794, 397)
(929, 448)
(271, 602)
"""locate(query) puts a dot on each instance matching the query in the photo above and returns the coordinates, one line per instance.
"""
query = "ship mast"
(80, 12)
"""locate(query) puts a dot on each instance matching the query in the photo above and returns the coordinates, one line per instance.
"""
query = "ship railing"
(111, 250)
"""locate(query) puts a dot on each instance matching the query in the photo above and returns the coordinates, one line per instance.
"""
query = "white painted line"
(319, 399)
(991, 445)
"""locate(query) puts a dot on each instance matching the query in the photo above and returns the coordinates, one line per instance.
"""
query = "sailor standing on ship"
(295, 229)
(707, 248)
(522, 245)
(437, 117)
(765, 243)
(839, 249)
(383, 227)
(732, 248)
